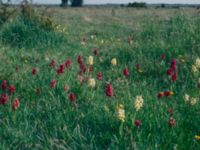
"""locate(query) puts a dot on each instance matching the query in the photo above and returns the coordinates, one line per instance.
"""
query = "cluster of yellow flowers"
(114, 61)
(138, 102)
(190, 100)
(121, 113)
(91, 82)
(196, 66)
(197, 137)
(58, 28)
(90, 60)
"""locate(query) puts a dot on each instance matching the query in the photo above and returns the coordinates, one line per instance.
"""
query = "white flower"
(193, 101)
(92, 82)
(186, 97)
(121, 113)
(114, 61)
(90, 60)
(194, 69)
(138, 103)
(197, 63)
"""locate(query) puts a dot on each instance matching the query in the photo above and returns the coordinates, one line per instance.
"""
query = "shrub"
(137, 5)
(64, 3)
(31, 29)
(5, 13)
(76, 3)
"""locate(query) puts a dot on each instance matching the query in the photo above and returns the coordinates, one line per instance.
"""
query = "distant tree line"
(74, 3)
(137, 5)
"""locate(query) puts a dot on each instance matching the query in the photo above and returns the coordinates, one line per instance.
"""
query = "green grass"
(48, 120)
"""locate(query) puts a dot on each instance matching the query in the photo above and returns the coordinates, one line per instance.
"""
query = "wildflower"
(137, 123)
(174, 77)
(163, 56)
(47, 59)
(197, 63)
(138, 103)
(53, 64)
(11, 89)
(193, 101)
(99, 76)
(194, 69)
(197, 137)
(90, 69)
(173, 65)
(137, 66)
(4, 84)
(66, 88)
(53, 84)
(61, 69)
(172, 122)
(109, 90)
(3, 99)
(160, 94)
(80, 78)
(68, 63)
(168, 93)
(126, 72)
(79, 59)
(169, 71)
(83, 67)
(186, 98)
(170, 111)
(34, 71)
(114, 61)
(121, 113)
(15, 104)
(91, 82)
(72, 97)
(92, 37)
(95, 51)
(90, 60)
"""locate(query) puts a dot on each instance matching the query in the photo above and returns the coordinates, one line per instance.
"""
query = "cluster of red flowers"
(34, 71)
(126, 72)
(82, 66)
(83, 69)
(172, 121)
(61, 69)
(96, 52)
(163, 56)
(99, 76)
(165, 94)
(137, 123)
(6, 88)
(53, 64)
(53, 83)
(109, 90)
(172, 71)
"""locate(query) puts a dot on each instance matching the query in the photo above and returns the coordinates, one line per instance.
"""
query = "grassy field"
(114, 78)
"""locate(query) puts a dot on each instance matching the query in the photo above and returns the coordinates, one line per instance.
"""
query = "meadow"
(100, 78)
